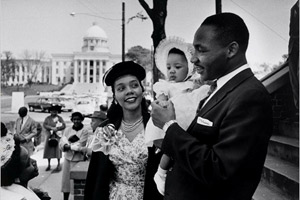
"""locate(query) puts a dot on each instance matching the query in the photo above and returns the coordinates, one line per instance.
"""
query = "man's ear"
(233, 49)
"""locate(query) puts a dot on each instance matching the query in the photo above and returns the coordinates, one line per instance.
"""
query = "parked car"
(84, 106)
(44, 104)
(68, 101)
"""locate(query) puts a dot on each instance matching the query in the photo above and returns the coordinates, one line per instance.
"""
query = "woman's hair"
(3, 130)
(115, 112)
(11, 169)
(78, 114)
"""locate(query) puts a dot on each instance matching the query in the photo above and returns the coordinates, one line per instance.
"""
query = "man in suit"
(26, 128)
(222, 153)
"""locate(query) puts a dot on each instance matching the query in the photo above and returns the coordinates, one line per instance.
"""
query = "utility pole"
(123, 31)
(218, 6)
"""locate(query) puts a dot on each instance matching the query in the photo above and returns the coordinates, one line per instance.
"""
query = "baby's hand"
(163, 104)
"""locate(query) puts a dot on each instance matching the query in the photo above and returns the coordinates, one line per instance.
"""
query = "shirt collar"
(25, 118)
(224, 79)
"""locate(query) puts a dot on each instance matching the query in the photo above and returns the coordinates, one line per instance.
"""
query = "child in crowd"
(17, 169)
(182, 87)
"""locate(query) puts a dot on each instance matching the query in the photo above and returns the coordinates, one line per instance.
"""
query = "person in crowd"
(17, 168)
(72, 141)
(38, 137)
(53, 125)
(104, 108)
(173, 58)
(96, 119)
(26, 129)
(121, 165)
(222, 153)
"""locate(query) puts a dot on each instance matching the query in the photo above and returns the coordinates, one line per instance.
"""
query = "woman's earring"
(115, 101)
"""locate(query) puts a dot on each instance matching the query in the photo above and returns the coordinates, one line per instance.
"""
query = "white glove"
(160, 180)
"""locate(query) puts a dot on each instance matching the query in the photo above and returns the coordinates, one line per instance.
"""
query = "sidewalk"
(47, 180)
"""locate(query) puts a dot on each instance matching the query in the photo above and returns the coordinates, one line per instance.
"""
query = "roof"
(95, 31)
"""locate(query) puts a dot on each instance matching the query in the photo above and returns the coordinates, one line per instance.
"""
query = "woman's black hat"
(121, 69)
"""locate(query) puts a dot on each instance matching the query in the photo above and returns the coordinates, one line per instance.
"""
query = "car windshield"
(56, 100)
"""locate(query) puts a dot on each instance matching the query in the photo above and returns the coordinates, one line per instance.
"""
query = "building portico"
(87, 66)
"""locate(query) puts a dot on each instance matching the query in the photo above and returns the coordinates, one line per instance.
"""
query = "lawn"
(33, 90)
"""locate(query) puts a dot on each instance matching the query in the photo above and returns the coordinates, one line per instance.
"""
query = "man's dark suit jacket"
(223, 161)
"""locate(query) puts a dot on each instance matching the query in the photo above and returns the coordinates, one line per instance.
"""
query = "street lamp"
(123, 25)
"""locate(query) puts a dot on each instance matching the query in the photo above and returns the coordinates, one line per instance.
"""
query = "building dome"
(95, 31)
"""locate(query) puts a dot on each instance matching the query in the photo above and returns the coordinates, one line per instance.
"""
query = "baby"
(173, 60)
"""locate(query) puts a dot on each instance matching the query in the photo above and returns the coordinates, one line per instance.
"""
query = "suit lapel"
(227, 88)
(25, 124)
(18, 125)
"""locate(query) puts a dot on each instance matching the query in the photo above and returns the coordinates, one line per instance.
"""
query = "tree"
(141, 56)
(8, 68)
(33, 62)
(158, 15)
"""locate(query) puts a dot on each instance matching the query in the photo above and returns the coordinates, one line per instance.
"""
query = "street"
(46, 180)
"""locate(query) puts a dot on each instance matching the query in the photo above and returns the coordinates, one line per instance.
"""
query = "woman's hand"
(66, 147)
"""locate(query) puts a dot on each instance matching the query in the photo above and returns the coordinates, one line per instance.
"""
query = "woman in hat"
(72, 143)
(53, 125)
(121, 166)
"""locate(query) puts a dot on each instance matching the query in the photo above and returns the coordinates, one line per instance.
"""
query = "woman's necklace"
(132, 129)
(128, 127)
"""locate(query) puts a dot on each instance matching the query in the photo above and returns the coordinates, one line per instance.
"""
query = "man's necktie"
(21, 123)
(213, 86)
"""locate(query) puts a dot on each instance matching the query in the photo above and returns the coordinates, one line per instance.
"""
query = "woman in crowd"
(72, 142)
(54, 125)
(17, 168)
(121, 166)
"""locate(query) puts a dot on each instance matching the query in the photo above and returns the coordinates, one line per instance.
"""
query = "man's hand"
(21, 138)
(161, 115)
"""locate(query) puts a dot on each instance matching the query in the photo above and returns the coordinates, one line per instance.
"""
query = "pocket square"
(204, 122)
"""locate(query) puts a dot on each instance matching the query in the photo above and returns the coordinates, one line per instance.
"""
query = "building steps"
(280, 176)
(289, 129)
(264, 192)
(285, 148)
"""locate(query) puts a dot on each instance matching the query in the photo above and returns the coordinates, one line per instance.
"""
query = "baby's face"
(177, 67)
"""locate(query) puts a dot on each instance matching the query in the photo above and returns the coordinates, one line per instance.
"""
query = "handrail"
(285, 64)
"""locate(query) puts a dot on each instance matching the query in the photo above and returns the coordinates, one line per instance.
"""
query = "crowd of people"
(205, 136)
(17, 168)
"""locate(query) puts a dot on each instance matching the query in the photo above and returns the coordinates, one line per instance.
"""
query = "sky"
(46, 25)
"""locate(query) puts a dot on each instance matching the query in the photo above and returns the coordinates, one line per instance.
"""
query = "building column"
(20, 74)
(81, 73)
(88, 72)
(75, 71)
(100, 72)
(94, 71)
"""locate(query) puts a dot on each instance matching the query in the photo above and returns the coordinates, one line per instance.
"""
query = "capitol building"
(88, 65)
(82, 68)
